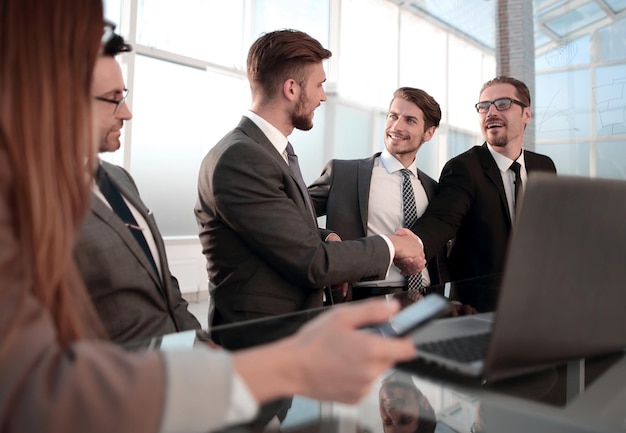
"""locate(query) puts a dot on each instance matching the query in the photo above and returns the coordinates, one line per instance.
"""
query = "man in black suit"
(265, 253)
(363, 197)
(475, 203)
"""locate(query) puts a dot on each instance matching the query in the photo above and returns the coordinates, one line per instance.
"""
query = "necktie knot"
(516, 168)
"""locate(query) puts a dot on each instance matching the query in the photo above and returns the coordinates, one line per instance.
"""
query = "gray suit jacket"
(265, 255)
(342, 194)
(133, 302)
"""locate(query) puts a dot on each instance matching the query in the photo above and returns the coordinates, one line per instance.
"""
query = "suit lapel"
(254, 132)
(429, 186)
(364, 179)
(529, 161)
(249, 128)
(102, 211)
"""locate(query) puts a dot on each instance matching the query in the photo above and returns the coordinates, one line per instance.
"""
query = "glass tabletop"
(578, 395)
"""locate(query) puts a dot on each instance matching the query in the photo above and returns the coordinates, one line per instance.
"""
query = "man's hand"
(409, 256)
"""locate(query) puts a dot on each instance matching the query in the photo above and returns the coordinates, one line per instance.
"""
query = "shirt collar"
(503, 162)
(392, 165)
(278, 140)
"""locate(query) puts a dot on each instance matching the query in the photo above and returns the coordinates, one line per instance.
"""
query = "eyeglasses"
(117, 102)
(501, 104)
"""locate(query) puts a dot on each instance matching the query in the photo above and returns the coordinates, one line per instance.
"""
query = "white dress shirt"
(385, 207)
(508, 177)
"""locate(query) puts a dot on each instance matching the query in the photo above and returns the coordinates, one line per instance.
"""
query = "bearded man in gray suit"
(131, 287)
(265, 253)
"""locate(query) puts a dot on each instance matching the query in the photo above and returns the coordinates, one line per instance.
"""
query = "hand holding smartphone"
(414, 316)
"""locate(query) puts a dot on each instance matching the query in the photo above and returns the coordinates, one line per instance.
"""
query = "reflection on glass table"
(569, 396)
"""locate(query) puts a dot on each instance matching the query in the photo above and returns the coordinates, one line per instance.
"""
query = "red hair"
(47, 54)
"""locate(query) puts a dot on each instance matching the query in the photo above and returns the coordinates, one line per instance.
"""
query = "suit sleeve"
(184, 318)
(96, 387)
(447, 208)
(320, 189)
(91, 386)
(255, 196)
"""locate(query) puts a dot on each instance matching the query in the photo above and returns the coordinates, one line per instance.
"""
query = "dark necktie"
(516, 167)
(115, 199)
(413, 282)
(295, 170)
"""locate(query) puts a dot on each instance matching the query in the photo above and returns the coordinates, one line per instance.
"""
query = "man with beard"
(265, 254)
(475, 203)
(364, 197)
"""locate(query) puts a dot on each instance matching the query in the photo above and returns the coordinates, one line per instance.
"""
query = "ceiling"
(556, 21)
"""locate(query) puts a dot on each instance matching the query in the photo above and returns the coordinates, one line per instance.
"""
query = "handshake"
(409, 257)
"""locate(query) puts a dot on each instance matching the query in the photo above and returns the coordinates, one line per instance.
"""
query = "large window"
(170, 135)
(581, 89)
(188, 83)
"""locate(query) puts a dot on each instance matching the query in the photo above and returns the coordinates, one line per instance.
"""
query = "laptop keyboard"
(463, 349)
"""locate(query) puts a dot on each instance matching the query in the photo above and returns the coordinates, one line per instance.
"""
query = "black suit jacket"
(471, 207)
(342, 194)
(133, 301)
(265, 254)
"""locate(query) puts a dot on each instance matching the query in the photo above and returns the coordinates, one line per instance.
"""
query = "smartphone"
(413, 316)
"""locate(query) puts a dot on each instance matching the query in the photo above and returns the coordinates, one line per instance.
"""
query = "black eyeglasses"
(501, 104)
(117, 102)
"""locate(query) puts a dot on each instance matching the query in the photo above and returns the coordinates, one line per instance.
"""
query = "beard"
(499, 141)
(300, 119)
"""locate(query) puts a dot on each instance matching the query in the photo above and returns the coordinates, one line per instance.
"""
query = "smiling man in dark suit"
(363, 197)
(265, 253)
(475, 203)
(131, 286)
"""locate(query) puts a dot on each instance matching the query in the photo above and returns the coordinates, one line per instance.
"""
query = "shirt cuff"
(392, 253)
(202, 393)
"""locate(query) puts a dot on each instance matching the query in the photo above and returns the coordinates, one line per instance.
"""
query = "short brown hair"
(523, 94)
(276, 56)
(426, 103)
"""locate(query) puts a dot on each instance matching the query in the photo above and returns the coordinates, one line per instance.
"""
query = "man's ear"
(291, 89)
(429, 133)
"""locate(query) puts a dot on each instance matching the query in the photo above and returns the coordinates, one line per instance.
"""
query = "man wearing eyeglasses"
(120, 252)
(475, 203)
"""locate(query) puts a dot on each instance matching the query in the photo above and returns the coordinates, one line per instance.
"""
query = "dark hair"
(427, 421)
(426, 103)
(115, 45)
(523, 94)
(276, 56)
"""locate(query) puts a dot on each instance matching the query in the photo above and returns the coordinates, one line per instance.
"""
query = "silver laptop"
(563, 290)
